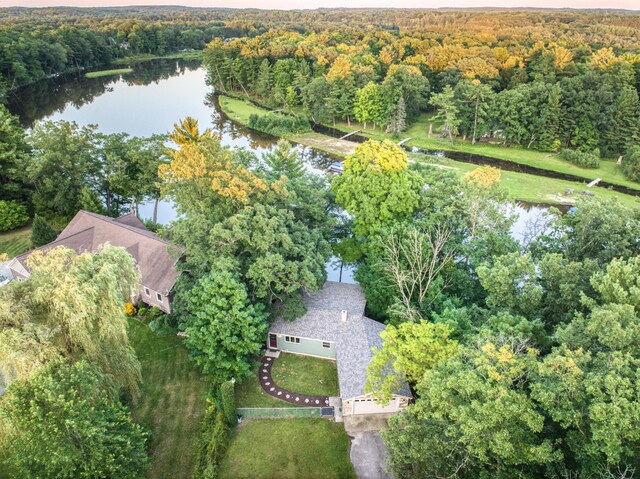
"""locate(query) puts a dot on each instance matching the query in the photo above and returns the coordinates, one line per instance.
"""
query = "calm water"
(147, 101)
(150, 100)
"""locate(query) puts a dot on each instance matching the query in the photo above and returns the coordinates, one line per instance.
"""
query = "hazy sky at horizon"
(312, 4)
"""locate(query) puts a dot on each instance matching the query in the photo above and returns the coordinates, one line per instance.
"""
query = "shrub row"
(279, 125)
(581, 158)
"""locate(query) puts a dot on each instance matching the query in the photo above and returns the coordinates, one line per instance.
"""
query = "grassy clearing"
(143, 57)
(172, 401)
(240, 111)
(306, 375)
(288, 449)
(15, 242)
(104, 73)
(521, 186)
(419, 134)
(249, 393)
(532, 188)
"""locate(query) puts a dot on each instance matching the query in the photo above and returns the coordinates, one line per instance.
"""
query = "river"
(149, 100)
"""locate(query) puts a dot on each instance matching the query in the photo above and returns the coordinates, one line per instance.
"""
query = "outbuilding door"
(369, 406)
(273, 341)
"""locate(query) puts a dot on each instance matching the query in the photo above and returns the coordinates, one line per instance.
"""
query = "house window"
(326, 345)
(159, 297)
(287, 339)
(147, 292)
(291, 339)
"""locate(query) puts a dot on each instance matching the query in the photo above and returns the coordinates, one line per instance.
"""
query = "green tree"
(223, 328)
(41, 232)
(263, 80)
(376, 186)
(13, 154)
(369, 104)
(631, 163)
(60, 424)
(72, 305)
(63, 159)
(473, 418)
(408, 351)
(12, 215)
(314, 97)
(474, 100)
(447, 111)
(283, 160)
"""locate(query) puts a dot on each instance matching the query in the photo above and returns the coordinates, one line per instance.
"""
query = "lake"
(149, 100)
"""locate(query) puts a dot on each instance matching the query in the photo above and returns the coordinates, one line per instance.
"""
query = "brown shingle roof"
(87, 231)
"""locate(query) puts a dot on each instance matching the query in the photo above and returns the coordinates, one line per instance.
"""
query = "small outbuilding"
(335, 328)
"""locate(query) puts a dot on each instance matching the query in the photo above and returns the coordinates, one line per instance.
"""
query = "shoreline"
(522, 186)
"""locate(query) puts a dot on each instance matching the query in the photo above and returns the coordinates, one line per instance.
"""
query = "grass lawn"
(249, 393)
(104, 73)
(172, 401)
(240, 111)
(143, 57)
(15, 242)
(288, 449)
(306, 375)
(532, 188)
(419, 134)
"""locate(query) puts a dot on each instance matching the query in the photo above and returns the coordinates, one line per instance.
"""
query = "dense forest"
(548, 85)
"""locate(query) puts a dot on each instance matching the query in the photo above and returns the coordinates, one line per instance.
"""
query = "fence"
(277, 412)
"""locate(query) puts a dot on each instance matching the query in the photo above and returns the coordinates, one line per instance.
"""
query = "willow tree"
(71, 306)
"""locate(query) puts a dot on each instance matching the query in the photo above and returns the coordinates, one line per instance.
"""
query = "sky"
(311, 4)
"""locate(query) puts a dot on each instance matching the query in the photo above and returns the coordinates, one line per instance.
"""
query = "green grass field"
(13, 243)
(532, 188)
(306, 375)
(172, 401)
(288, 449)
(104, 73)
(419, 134)
(143, 57)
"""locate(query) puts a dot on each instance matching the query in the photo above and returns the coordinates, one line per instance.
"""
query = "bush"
(581, 158)
(228, 400)
(631, 164)
(42, 233)
(12, 215)
(214, 439)
(279, 125)
(130, 309)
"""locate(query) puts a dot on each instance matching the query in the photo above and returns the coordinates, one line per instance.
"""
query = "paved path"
(266, 381)
(369, 455)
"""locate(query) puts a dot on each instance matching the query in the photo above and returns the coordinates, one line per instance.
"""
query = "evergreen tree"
(41, 232)
(550, 136)
(263, 80)
(625, 124)
(447, 111)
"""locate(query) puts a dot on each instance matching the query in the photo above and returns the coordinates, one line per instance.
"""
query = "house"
(87, 231)
(335, 327)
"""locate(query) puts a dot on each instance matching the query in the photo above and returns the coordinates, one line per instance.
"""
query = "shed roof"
(354, 337)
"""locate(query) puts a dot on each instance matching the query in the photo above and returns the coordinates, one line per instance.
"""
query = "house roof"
(354, 337)
(87, 231)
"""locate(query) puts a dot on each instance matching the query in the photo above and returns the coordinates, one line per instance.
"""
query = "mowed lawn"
(15, 242)
(288, 449)
(306, 375)
(172, 401)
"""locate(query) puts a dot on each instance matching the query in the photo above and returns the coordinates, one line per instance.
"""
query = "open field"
(104, 73)
(521, 186)
(171, 403)
(15, 242)
(143, 57)
(419, 134)
(288, 449)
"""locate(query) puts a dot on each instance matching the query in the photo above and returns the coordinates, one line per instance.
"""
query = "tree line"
(542, 94)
